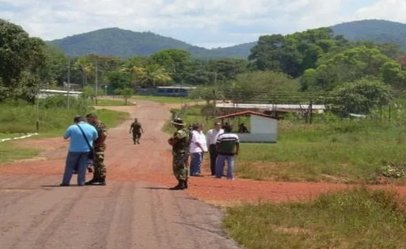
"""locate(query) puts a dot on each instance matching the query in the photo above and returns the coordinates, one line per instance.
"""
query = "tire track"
(46, 220)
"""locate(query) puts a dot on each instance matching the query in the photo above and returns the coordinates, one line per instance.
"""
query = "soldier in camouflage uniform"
(136, 129)
(99, 174)
(180, 148)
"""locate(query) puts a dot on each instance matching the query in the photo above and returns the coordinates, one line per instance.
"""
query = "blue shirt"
(77, 141)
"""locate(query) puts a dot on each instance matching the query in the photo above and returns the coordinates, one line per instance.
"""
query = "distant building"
(45, 93)
(262, 128)
(181, 91)
(274, 110)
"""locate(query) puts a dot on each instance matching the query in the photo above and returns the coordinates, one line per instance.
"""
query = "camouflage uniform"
(136, 131)
(180, 154)
(99, 148)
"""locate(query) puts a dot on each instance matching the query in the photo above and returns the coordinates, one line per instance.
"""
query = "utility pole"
(37, 109)
(96, 85)
(68, 84)
(311, 112)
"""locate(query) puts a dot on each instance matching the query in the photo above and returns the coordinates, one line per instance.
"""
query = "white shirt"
(198, 138)
(212, 135)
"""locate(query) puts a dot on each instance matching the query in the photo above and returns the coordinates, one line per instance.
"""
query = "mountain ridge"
(126, 43)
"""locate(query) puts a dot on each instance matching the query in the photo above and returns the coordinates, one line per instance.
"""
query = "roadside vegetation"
(338, 151)
(51, 119)
(116, 101)
(163, 99)
(330, 149)
(310, 67)
(357, 218)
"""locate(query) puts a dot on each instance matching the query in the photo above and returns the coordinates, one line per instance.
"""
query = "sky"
(205, 23)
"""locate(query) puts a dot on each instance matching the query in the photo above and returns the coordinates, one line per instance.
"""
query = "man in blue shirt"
(78, 152)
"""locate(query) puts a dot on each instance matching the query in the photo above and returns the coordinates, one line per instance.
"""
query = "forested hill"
(125, 43)
(373, 30)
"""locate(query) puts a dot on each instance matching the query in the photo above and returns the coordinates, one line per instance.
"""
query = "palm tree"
(156, 75)
(85, 67)
(137, 74)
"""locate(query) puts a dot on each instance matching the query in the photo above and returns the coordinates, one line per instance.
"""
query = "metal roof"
(244, 113)
(272, 107)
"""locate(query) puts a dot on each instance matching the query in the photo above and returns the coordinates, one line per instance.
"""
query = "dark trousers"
(213, 156)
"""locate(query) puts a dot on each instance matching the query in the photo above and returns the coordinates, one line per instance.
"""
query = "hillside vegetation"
(125, 43)
(373, 30)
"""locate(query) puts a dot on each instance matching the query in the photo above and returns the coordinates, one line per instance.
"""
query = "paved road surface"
(130, 212)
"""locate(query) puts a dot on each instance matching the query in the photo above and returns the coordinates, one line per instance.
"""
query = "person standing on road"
(211, 138)
(99, 171)
(136, 130)
(198, 146)
(78, 152)
(180, 145)
(227, 145)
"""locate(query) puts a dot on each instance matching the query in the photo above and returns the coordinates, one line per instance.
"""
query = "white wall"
(262, 130)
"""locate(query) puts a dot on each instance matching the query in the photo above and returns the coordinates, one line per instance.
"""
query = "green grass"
(11, 135)
(353, 219)
(21, 118)
(163, 99)
(344, 152)
(118, 101)
(331, 149)
(9, 152)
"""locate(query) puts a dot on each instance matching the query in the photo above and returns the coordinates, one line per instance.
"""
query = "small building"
(178, 91)
(274, 110)
(45, 93)
(262, 127)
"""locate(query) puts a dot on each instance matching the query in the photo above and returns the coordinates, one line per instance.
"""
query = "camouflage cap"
(178, 121)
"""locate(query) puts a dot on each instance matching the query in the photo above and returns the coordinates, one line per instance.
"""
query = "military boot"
(175, 187)
(102, 181)
(180, 186)
(186, 183)
(91, 182)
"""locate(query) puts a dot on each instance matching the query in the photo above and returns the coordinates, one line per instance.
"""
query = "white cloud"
(393, 10)
(209, 22)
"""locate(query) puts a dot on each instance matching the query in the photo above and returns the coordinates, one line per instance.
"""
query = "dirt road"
(134, 210)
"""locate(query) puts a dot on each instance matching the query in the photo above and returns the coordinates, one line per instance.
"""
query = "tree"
(85, 66)
(56, 69)
(135, 66)
(22, 57)
(125, 92)
(360, 96)
(261, 87)
(293, 54)
(209, 93)
(393, 74)
(227, 69)
(266, 55)
(175, 61)
(119, 80)
(156, 75)
(346, 66)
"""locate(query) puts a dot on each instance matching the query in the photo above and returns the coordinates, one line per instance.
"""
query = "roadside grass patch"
(162, 99)
(112, 102)
(20, 118)
(111, 118)
(345, 152)
(11, 135)
(357, 218)
(10, 152)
